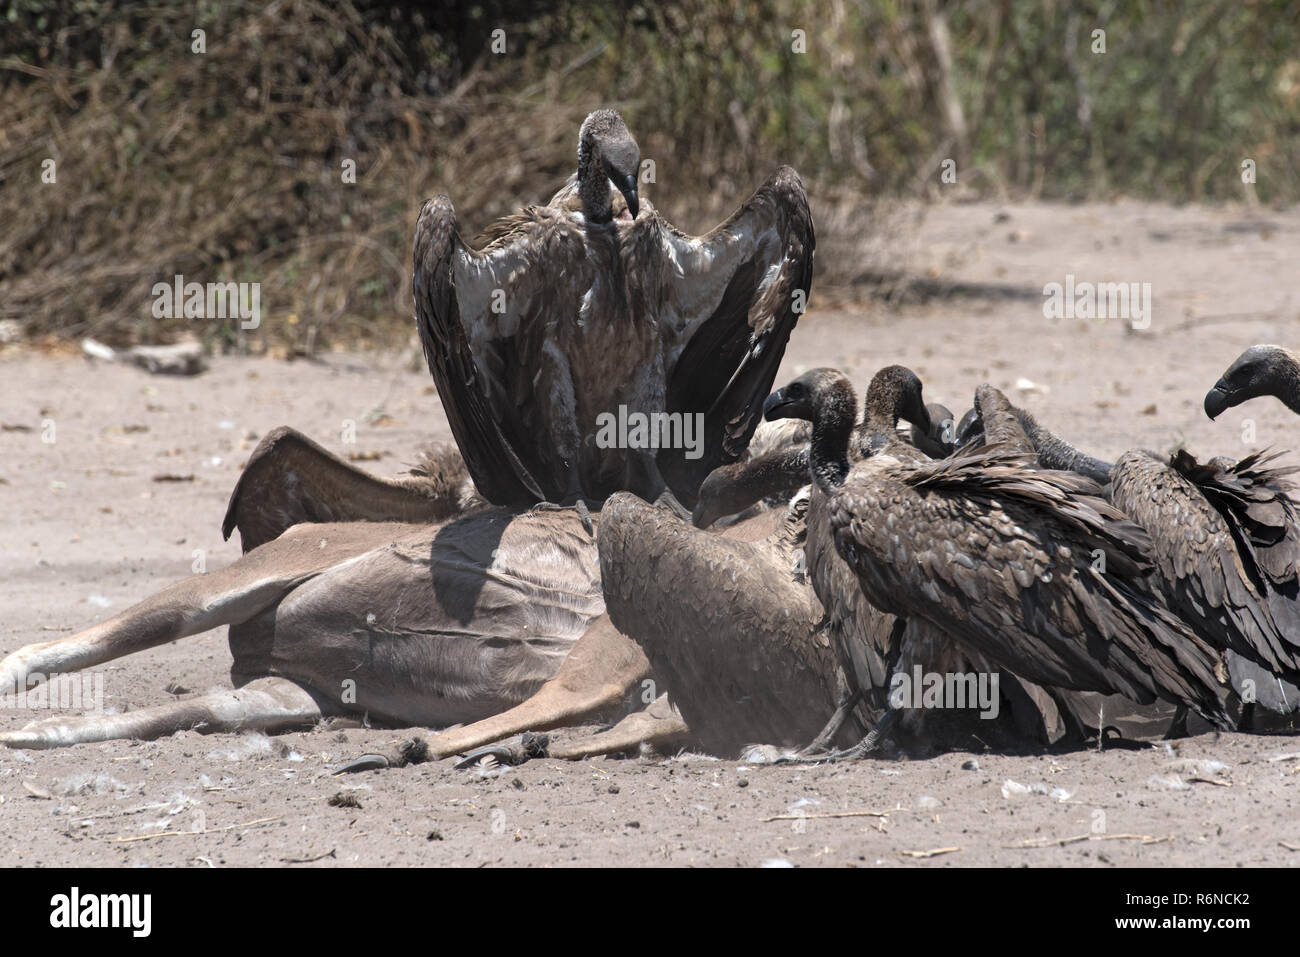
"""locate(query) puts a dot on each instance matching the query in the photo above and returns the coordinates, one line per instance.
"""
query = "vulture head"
(825, 398)
(969, 427)
(817, 395)
(895, 393)
(940, 439)
(1260, 370)
(607, 154)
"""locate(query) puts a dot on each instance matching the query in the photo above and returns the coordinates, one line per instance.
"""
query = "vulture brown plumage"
(1225, 541)
(727, 621)
(1004, 558)
(570, 313)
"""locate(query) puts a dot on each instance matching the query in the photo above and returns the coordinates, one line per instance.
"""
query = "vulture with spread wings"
(590, 347)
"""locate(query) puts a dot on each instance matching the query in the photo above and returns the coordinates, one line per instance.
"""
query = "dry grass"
(228, 165)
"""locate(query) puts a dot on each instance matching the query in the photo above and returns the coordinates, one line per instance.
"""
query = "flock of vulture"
(778, 578)
(984, 544)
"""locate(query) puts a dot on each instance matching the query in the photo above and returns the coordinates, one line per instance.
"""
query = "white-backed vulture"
(873, 655)
(1003, 558)
(895, 393)
(747, 652)
(1225, 540)
(1260, 370)
(568, 316)
(726, 620)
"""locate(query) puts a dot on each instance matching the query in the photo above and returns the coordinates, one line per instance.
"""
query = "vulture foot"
(411, 751)
(669, 501)
(868, 745)
(1177, 727)
(512, 751)
(843, 708)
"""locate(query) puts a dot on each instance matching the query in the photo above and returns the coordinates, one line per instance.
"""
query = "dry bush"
(227, 165)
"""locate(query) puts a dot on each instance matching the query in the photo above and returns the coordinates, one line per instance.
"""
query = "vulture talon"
(367, 762)
(868, 745)
(585, 517)
(410, 751)
(512, 751)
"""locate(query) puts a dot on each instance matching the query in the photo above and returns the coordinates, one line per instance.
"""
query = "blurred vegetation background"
(229, 164)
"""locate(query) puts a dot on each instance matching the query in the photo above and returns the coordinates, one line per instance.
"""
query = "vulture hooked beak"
(1217, 399)
(627, 186)
(781, 405)
(969, 427)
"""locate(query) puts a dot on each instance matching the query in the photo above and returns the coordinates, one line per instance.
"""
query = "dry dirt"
(89, 528)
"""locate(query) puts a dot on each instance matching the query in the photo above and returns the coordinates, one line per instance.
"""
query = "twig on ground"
(813, 817)
(210, 830)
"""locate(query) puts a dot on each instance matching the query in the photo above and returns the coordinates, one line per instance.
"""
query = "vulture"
(940, 439)
(726, 620)
(871, 647)
(748, 653)
(895, 393)
(590, 311)
(1225, 540)
(1260, 370)
(1003, 558)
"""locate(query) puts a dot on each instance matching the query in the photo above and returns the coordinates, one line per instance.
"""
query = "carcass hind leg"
(596, 675)
(267, 704)
(658, 726)
(289, 479)
(194, 605)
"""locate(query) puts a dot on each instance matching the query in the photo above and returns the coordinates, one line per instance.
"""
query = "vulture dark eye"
(1245, 373)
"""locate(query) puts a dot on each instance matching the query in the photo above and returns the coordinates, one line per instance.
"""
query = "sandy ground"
(91, 525)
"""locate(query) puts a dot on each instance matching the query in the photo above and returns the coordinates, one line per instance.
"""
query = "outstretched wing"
(730, 302)
(482, 317)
